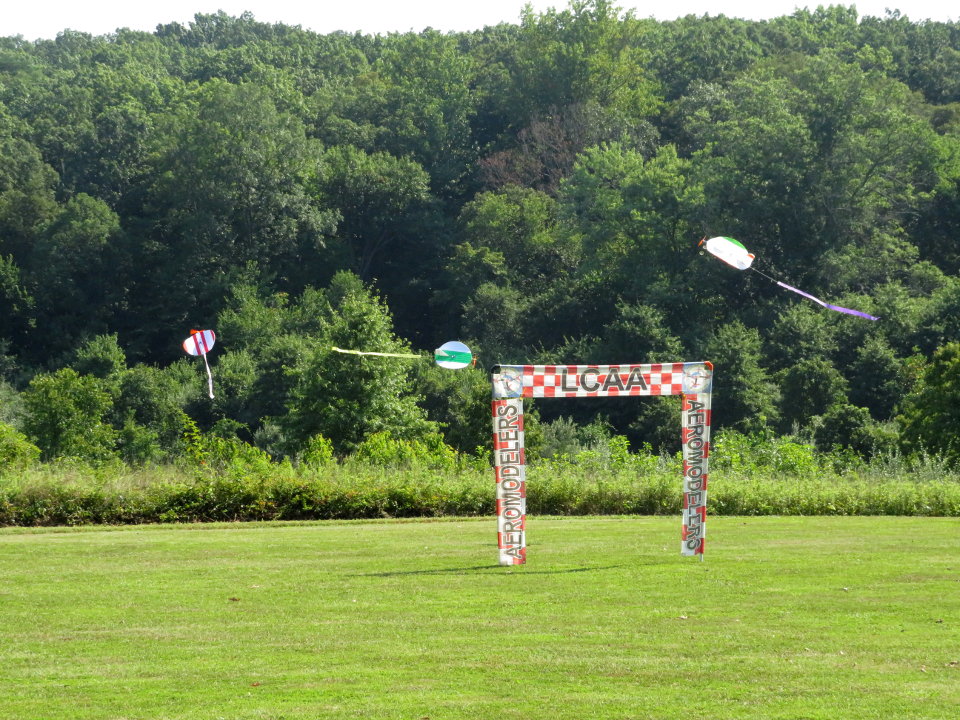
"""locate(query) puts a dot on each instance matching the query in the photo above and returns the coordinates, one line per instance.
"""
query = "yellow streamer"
(379, 354)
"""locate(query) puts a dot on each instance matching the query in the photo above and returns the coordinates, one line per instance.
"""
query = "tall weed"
(226, 480)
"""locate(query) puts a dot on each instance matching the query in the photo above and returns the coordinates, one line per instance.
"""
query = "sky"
(34, 19)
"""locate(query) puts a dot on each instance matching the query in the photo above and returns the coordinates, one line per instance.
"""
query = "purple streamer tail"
(817, 300)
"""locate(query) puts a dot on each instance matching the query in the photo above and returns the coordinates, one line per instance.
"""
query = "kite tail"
(378, 354)
(817, 300)
(209, 376)
(848, 311)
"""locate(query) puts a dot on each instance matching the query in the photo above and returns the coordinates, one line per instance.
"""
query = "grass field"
(813, 618)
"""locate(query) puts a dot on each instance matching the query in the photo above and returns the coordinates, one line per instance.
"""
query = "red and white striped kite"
(201, 342)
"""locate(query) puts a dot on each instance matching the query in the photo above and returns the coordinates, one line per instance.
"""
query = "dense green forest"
(536, 190)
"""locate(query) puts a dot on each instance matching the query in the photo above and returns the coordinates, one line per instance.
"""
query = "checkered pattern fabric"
(601, 380)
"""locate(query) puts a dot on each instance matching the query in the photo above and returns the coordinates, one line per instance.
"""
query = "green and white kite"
(734, 254)
(451, 355)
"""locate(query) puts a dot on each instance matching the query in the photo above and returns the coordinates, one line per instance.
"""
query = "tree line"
(535, 189)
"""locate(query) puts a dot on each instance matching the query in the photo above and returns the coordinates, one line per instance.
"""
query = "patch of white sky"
(35, 19)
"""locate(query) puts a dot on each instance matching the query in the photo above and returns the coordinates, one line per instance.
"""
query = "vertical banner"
(512, 383)
(508, 457)
(696, 470)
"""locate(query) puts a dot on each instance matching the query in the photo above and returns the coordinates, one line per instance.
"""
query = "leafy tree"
(238, 396)
(546, 150)
(267, 336)
(91, 105)
(849, 426)
(536, 189)
(349, 105)
(381, 201)
(753, 150)
(633, 214)
(495, 318)
(934, 228)
(19, 319)
(801, 331)
(875, 260)
(69, 268)
(747, 397)
(16, 452)
(657, 423)
(810, 154)
(807, 31)
(458, 401)
(148, 412)
(65, 415)
(582, 54)
(229, 188)
(347, 398)
(875, 155)
(930, 415)
(102, 357)
(700, 50)
(632, 218)
(940, 321)
(27, 200)
(11, 405)
(878, 378)
(428, 106)
(510, 237)
(637, 331)
(809, 388)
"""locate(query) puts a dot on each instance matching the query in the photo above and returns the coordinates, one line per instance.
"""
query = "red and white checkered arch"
(512, 383)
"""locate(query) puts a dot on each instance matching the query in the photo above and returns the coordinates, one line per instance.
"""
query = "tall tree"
(930, 416)
(586, 53)
(227, 188)
(347, 398)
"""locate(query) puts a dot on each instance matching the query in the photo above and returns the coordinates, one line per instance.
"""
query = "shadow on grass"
(486, 568)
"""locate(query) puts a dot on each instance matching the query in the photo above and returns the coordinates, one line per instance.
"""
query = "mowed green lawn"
(787, 618)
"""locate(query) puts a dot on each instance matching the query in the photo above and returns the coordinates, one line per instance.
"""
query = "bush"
(848, 426)
(65, 416)
(565, 438)
(69, 493)
(16, 452)
(383, 450)
(138, 445)
(101, 357)
(317, 452)
(760, 453)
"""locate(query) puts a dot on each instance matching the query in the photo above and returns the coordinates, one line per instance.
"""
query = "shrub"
(759, 452)
(563, 437)
(64, 416)
(317, 452)
(249, 487)
(101, 357)
(16, 452)
(138, 445)
(848, 426)
(382, 449)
